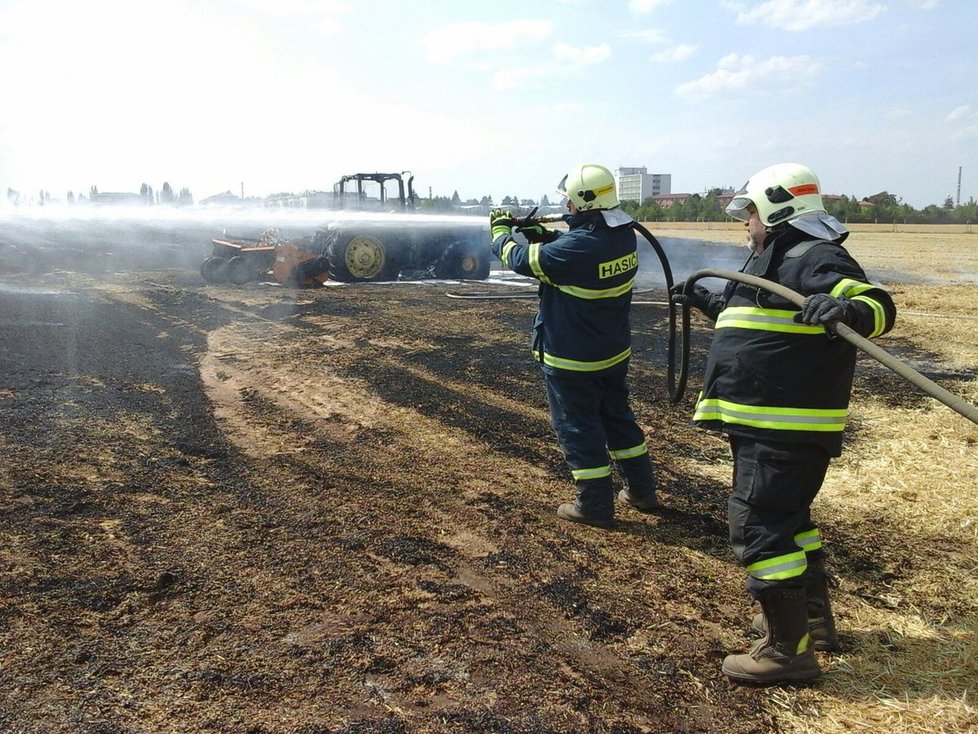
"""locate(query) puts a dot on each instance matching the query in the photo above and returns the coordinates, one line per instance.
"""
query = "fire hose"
(904, 370)
(676, 390)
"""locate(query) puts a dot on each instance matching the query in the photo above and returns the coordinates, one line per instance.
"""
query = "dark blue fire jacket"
(772, 379)
(586, 277)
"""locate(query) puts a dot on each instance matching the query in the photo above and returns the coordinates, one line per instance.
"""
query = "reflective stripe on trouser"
(769, 510)
(590, 414)
(637, 471)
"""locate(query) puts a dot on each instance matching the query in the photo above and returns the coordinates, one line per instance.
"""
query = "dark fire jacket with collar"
(586, 276)
(770, 378)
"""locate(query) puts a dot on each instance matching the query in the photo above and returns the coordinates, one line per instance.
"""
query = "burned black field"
(269, 510)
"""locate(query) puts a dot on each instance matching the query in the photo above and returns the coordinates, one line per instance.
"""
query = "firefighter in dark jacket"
(777, 383)
(582, 339)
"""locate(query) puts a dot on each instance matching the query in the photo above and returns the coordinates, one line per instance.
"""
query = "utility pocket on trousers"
(781, 479)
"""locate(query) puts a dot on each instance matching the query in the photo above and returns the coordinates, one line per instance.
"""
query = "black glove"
(821, 309)
(537, 233)
(697, 296)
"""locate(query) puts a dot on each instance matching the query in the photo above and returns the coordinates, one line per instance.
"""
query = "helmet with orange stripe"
(780, 193)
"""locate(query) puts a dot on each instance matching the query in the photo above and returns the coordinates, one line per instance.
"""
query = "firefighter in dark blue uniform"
(582, 339)
(778, 382)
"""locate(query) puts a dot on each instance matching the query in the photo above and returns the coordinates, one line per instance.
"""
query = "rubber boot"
(639, 492)
(821, 621)
(785, 654)
(595, 504)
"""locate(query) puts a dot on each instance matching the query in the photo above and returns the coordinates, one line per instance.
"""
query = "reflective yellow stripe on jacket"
(778, 419)
(764, 319)
(572, 364)
(589, 294)
(853, 290)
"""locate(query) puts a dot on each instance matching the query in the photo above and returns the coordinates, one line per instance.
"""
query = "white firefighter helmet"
(780, 193)
(590, 187)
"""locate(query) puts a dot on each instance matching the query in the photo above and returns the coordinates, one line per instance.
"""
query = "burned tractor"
(374, 234)
(395, 239)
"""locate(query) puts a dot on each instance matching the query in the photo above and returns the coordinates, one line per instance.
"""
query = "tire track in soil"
(352, 407)
(307, 577)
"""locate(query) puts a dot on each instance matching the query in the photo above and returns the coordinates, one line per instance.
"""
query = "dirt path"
(263, 510)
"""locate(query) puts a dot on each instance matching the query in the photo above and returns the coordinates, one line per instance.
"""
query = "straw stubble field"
(262, 510)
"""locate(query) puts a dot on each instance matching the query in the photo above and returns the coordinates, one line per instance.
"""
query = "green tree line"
(880, 208)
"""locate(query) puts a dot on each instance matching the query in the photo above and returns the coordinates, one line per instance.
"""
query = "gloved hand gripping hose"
(905, 371)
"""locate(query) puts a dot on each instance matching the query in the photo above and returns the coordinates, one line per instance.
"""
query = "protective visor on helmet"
(738, 208)
(562, 186)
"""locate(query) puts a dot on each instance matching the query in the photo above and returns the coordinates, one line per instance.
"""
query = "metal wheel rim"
(468, 264)
(364, 257)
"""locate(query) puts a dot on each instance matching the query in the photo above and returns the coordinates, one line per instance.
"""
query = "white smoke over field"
(99, 239)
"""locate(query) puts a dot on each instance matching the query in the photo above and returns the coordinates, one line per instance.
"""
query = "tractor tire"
(241, 270)
(362, 257)
(464, 261)
(215, 270)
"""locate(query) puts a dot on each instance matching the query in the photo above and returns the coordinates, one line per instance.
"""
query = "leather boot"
(821, 621)
(640, 484)
(785, 654)
(595, 504)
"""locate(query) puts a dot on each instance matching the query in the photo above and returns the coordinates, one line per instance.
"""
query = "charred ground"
(263, 510)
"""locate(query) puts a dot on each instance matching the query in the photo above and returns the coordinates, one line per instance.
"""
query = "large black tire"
(362, 257)
(215, 270)
(464, 261)
(242, 269)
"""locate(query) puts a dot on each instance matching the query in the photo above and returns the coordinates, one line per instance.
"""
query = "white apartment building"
(637, 184)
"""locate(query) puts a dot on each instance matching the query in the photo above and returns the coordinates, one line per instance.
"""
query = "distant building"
(637, 184)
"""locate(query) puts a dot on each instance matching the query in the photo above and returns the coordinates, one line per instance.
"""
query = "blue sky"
(487, 98)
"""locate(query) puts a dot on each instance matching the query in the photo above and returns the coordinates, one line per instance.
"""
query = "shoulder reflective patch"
(617, 267)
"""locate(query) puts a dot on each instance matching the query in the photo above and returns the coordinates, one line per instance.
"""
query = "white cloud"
(963, 112)
(968, 133)
(803, 15)
(677, 53)
(291, 8)
(581, 56)
(644, 7)
(443, 45)
(745, 75)
(324, 15)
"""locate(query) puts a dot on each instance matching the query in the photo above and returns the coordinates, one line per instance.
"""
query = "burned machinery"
(374, 233)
